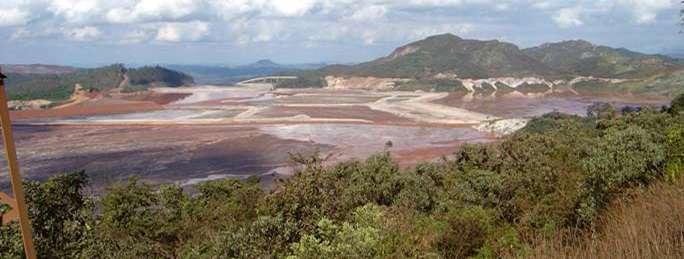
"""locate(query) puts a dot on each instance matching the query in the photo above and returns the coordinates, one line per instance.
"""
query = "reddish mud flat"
(125, 103)
(190, 135)
(348, 112)
(514, 104)
(177, 154)
(192, 154)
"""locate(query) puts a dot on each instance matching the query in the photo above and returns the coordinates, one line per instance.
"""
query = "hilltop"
(579, 57)
(447, 62)
(450, 54)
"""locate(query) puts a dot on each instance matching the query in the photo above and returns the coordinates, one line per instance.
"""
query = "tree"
(601, 110)
(677, 105)
(61, 217)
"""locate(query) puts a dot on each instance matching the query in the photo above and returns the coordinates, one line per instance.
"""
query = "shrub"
(266, 236)
(677, 105)
(621, 158)
(674, 166)
(464, 235)
(358, 239)
(601, 111)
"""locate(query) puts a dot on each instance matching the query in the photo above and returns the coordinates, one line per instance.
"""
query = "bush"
(265, 237)
(674, 166)
(620, 159)
(465, 234)
(358, 239)
(677, 105)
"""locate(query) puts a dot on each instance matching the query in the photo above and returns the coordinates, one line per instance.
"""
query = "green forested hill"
(158, 75)
(447, 53)
(23, 86)
(438, 61)
(583, 58)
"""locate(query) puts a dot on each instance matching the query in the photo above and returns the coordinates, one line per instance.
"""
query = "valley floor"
(194, 134)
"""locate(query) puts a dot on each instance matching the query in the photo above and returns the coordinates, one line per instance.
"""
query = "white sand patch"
(502, 127)
(422, 109)
(209, 93)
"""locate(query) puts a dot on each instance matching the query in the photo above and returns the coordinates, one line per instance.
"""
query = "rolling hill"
(450, 54)
(447, 62)
(578, 57)
(28, 84)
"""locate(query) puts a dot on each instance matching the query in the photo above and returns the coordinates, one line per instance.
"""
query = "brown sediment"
(156, 154)
(516, 104)
(351, 112)
(88, 108)
(158, 98)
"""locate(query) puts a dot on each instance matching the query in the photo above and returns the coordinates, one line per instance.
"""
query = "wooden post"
(15, 176)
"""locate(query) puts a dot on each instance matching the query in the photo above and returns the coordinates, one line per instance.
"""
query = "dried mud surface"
(190, 135)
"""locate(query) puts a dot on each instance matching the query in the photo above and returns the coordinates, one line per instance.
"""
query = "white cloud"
(75, 11)
(290, 8)
(425, 31)
(542, 4)
(87, 33)
(20, 33)
(13, 17)
(153, 10)
(357, 21)
(645, 11)
(568, 17)
(177, 32)
(369, 13)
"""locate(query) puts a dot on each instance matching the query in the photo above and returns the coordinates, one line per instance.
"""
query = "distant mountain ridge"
(37, 69)
(224, 75)
(475, 59)
(447, 62)
(583, 58)
(450, 54)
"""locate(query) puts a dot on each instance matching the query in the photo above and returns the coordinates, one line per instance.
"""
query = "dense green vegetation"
(157, 75)
(583, 58)
(448, 53)
(58, 87)
(557, 175)
(305, 79)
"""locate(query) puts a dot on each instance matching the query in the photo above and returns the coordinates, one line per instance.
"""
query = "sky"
(230, 32)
